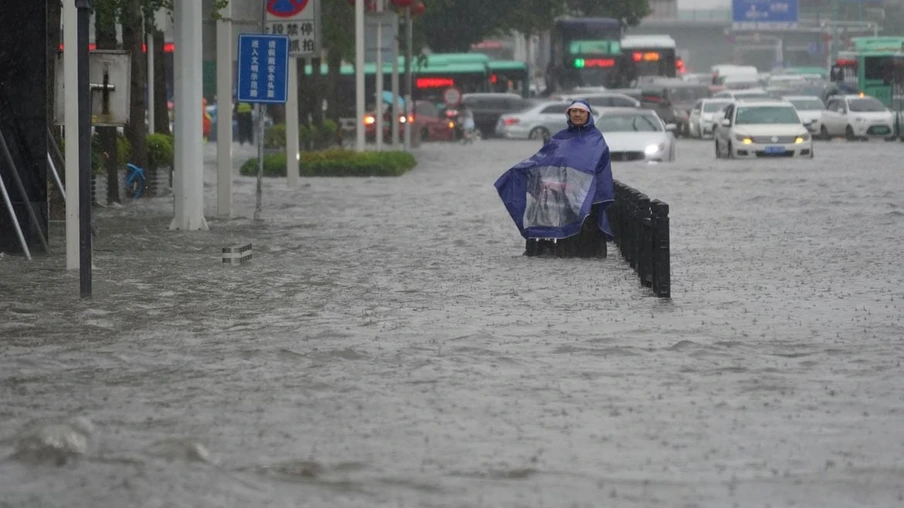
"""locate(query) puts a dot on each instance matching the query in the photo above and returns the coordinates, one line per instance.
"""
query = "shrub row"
(311, 137)
(160, 152)
(336, 162)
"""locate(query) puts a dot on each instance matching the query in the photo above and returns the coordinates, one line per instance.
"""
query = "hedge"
(319, 137)
(337, 162)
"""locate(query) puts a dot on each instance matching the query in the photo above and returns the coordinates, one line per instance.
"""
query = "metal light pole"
(84, 153)
(359, 75)
(409, 106)
(260, 137)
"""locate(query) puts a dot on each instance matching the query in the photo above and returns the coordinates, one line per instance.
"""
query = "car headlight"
(800, 139)
(860, 119)
(744, 139)
(654, 149)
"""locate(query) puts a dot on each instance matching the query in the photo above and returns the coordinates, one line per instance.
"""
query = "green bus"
(509, 76)
(870, 67)
(431, 75)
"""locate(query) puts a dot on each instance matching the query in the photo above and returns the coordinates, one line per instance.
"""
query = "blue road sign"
(285, 8)
(764, 14)
(263, 67)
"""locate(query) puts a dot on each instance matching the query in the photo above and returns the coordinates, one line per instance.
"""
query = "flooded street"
(390, 346)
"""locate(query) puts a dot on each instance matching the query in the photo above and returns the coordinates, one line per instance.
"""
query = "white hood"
(871, 115)
(633, 141)
(772, 129)
(810, 114)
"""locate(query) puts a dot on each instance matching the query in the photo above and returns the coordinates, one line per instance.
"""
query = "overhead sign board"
(764, 14)
(263, 64)
(299, 20)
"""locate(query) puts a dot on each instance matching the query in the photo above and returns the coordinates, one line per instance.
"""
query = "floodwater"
(390, 346)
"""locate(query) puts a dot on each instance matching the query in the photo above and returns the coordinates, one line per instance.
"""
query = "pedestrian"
(558, 197)
(246, 124)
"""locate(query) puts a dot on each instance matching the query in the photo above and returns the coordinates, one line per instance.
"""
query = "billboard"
(763, 14)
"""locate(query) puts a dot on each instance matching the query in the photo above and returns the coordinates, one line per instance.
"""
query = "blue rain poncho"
(550, 194)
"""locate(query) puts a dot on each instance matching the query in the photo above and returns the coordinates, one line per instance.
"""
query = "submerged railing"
(641, 228)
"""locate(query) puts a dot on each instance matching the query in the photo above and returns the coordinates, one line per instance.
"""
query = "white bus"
(652, 55)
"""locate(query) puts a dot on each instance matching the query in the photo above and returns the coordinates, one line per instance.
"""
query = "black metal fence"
(641, 228)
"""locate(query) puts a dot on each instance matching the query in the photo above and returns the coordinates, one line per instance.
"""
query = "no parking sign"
(299, 20)
(452, 97)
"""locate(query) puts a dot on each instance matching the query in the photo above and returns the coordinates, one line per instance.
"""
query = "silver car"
(705, 115)
(537, 122)
(637, 135)
(809, 109)
(601, 99)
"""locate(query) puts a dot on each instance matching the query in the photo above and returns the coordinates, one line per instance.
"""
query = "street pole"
(359, 75)
(224, 112)
(409, 105)
(260, 135)
(379, 77)
(292, 122)
(70, 75)
(149, 51)
(84, 154)
(394, 84)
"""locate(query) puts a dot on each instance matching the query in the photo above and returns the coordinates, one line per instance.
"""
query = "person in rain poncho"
(550, 195)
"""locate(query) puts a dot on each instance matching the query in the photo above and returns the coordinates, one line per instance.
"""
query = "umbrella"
(387, 99)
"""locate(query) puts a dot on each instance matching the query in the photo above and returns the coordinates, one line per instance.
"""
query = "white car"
(857, 117)
(762, 128)
(636, 135)
(536, 122)
(705, 115)
(750, 93)
(810, 109)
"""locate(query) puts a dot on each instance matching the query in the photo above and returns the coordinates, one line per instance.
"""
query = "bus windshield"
(653, 61)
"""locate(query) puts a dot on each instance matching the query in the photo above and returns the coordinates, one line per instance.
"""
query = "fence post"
(662, 249)
(645, 240)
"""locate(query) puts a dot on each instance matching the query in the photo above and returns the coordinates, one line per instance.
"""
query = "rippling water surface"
(390, 346)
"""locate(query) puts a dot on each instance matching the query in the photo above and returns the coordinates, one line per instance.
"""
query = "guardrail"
(641, 228)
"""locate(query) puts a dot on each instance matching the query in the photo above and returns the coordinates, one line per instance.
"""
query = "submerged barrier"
(641, 228)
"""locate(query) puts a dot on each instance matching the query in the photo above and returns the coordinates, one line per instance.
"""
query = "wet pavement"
(390, 346)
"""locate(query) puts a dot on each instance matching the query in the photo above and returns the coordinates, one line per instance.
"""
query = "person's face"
(578, 116)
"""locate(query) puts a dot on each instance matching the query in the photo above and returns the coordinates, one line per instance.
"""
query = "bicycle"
(135, 181)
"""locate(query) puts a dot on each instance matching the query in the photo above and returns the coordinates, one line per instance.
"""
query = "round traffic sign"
(452, 96)
(285, 8)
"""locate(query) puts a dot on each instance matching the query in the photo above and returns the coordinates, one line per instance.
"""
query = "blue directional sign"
(763, 14)
(263, 66)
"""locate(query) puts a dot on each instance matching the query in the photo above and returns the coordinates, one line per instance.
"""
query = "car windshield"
(628, 123)
(766, 115)
(714, 107)
(807, 104)
(866, 104)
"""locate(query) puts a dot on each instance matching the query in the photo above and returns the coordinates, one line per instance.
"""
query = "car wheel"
(824, 133)
(538, 133)
(849, 133)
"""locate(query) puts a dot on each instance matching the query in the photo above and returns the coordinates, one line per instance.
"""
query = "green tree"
(630, 12)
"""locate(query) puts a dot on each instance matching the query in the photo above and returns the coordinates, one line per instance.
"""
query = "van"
(737, 72)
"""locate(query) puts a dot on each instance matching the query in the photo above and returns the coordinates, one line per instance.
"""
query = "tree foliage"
(453, 25)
